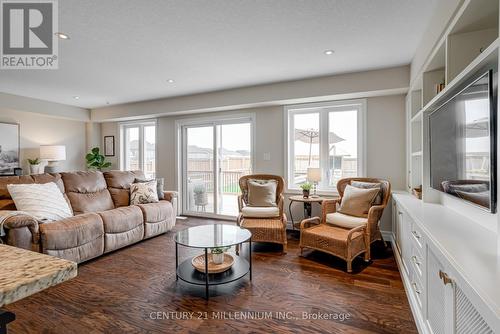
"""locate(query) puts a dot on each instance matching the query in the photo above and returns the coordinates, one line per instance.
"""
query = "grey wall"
(385, 143)
(36, 130)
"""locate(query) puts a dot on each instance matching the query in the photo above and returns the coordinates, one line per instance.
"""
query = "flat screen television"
(462, 134)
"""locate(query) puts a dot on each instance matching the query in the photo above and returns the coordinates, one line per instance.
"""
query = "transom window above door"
(138, 147)
(325, 138)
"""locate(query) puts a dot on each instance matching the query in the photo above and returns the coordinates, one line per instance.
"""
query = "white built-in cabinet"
(445, 297)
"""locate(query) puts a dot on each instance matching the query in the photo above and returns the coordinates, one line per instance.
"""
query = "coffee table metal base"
(187, 273)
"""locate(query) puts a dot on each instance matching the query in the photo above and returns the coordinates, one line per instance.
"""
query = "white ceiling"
(126, 50)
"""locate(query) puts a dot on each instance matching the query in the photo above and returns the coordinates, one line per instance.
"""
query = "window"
(138, 149)
(328, 136)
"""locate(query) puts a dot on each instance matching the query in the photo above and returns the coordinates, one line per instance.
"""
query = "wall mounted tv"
(463, 151)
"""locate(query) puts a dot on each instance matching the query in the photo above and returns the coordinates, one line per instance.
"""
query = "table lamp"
(53, 154)
(314, 176)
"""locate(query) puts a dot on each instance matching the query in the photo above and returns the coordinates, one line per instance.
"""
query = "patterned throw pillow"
(143, 193)
(159, 185)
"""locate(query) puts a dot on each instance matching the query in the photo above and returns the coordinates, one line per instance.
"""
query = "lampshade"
(53, 152)
(314, 174)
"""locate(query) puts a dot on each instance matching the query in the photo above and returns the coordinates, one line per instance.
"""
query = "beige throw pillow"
(143, 193)
(356, 201)
(368, 185)
(262, 192)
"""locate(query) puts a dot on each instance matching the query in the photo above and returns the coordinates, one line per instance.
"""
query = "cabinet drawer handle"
(415, 260)
(444, 276)
(415, 288)
(415, 234)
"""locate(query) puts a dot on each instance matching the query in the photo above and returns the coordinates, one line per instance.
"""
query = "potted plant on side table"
(34, 166)
(306, 188)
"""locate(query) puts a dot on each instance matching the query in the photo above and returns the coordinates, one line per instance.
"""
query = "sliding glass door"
(215, 155)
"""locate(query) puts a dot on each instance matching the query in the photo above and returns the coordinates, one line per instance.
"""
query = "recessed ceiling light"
(76, 97)
(329, 52)
(170, 80)
(61, 35)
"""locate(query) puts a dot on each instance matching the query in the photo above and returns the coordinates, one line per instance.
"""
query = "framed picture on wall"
(109, 146)
(9, 148)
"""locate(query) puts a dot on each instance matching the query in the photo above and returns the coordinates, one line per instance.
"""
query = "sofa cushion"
(121, 219)
(122, 226)
(260, 212)
(345, 221)
(78, 238)
(119, 185)
(28, 179)
(156, 212)
(158, 218)
(87, 192)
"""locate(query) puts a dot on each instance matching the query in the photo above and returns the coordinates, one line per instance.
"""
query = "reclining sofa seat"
(103, 220)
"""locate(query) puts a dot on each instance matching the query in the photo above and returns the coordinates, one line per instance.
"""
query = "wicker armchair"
(339, 240)
(267, 224)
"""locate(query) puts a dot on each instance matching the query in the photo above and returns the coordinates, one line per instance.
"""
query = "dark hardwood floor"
(133, 290)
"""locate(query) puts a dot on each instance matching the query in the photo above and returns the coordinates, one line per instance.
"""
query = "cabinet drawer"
(417, 288)
(417, 261)
(417, 235)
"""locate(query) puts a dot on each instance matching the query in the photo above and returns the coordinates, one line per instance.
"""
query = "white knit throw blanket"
(6, 214)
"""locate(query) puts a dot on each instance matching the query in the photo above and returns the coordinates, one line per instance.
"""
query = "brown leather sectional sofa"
(103, 220)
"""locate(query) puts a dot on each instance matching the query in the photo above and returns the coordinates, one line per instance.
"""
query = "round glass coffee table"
(207, 237)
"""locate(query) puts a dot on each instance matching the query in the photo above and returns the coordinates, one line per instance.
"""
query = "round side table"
(307, 206)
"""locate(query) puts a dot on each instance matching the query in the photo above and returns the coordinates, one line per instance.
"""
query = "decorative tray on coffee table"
(213, 268)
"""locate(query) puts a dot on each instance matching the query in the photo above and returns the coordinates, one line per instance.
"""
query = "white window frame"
(123, 141)
(321, 108)
(181, 161)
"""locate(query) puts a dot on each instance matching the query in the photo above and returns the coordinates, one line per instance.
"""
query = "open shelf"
(488, 56)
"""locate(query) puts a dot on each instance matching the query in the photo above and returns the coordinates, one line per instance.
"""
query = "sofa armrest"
(22, 231)
(172, 197)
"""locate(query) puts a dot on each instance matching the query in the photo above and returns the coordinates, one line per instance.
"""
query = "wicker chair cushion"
(356, 201)
(345, 221)
(262, 192)
(260, 212)
(369, 185)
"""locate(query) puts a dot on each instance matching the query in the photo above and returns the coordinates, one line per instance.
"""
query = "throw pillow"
(356, 201)
(143, 193)
(159, 185)
(369, 185)
(262, 192)
(42, 201)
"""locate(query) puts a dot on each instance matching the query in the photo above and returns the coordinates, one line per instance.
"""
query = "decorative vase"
(305, 193)
(218, 258)
(35, 169)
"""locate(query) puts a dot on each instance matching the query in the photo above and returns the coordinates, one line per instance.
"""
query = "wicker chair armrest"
(361, 228)
(329, 205)
(281, 201)
(310, 221)
(374, 215)
(240, 202)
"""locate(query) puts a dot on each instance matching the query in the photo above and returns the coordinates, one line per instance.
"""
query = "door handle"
(444, 276)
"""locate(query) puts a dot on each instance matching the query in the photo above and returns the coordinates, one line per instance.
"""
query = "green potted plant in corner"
(96, 161)
(34, 165)
(218, 254)
(306, 188)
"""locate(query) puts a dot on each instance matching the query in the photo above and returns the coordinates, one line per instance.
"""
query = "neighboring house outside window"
(138, 147)
(326, 135)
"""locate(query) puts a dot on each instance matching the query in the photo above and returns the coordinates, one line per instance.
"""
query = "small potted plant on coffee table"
(218, 254)
(306, 188)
